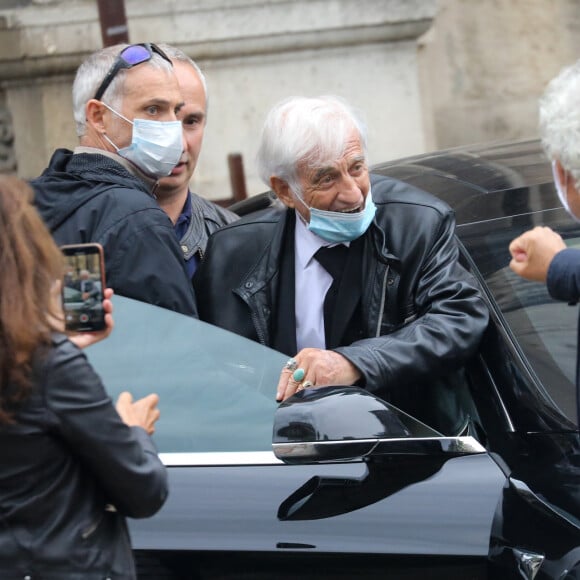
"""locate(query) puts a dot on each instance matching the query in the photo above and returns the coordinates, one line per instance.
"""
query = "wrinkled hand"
(533, 251)
(84, 339)
(322, 368)
(141, 413)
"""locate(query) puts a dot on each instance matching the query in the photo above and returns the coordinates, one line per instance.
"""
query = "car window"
(546, 329)
(217, 389)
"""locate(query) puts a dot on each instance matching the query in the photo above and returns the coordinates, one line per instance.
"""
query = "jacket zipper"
(257, 326)
(91, 529)
(383, 300)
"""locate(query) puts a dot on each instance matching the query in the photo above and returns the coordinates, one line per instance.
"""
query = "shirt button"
(248, 284)
(183, 249)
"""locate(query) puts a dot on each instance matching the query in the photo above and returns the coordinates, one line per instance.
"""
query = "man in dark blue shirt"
(194, 218)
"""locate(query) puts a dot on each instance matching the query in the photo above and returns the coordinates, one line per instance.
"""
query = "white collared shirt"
(311, 283)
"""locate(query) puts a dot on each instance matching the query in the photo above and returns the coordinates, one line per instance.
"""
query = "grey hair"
(175, 53)
(307, 130)
(91, 73)
(560, 120)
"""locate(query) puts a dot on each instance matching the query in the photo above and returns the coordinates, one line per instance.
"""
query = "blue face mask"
(156, 146)
(336, 227)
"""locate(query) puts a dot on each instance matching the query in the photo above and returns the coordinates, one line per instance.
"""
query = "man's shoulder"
(118, 204)
(212, 211)
(247, 236)
(255, 224)
(388, 191)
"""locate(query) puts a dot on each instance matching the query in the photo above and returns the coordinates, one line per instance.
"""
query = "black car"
(335, 483)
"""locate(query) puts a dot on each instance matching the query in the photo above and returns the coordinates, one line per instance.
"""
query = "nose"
(351, 190)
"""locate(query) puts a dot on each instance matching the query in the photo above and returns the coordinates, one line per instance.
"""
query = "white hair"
(307, 130)
(90, 75)
(560, 120)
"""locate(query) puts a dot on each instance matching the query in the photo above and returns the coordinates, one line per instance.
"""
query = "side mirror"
(345, 423)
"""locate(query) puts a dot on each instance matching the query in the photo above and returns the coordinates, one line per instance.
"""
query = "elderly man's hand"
(313, 367)
(533, 251)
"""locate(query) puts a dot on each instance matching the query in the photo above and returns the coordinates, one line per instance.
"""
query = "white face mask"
(562, 193)
(156, 146)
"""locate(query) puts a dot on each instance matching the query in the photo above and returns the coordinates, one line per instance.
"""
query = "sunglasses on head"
(128, 58)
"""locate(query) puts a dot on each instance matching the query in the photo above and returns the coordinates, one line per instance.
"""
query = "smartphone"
(82, 287)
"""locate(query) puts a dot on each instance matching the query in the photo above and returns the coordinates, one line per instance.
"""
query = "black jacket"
(89, 197)
(422, 315)
(71, 472)
(206, 218)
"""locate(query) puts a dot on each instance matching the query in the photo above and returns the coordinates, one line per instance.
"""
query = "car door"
(236, 511)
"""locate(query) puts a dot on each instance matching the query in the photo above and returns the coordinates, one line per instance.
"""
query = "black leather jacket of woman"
(423, 315)
(71, 472)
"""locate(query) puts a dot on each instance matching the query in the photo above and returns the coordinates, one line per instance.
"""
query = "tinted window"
(545, 329)
(217, 389)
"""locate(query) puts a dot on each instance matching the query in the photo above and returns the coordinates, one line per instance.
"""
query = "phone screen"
(82, 287)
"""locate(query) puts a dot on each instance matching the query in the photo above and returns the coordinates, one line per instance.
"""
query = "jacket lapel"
(284, 320)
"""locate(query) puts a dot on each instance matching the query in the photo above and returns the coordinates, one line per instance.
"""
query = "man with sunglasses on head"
(126, 99)
(194, 218)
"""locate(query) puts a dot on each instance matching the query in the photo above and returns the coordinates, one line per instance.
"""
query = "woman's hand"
(140, 413)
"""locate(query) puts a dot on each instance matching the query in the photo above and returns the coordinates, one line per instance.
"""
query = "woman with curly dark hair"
(73, 466)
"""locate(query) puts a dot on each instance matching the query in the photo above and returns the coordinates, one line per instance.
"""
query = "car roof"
(481, 182)
(469, 177)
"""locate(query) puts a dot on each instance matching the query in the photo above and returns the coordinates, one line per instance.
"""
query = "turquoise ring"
(298, 375)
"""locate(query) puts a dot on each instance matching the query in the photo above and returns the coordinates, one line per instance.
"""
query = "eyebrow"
(357, 159)
(330, 169)
(199, 113)
(322, 172)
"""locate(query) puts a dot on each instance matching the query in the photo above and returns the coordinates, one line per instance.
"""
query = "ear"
(95, 112)
(566, 179)
(282, 190)
(561, 173)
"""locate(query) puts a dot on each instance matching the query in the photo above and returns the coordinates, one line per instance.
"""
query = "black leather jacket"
(422, 313)
(71, 472)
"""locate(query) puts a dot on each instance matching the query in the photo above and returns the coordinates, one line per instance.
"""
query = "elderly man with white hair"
(358, 287)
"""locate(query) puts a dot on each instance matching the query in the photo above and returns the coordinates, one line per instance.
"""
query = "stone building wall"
(484, 63)
(254, 53)
(427, 73)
